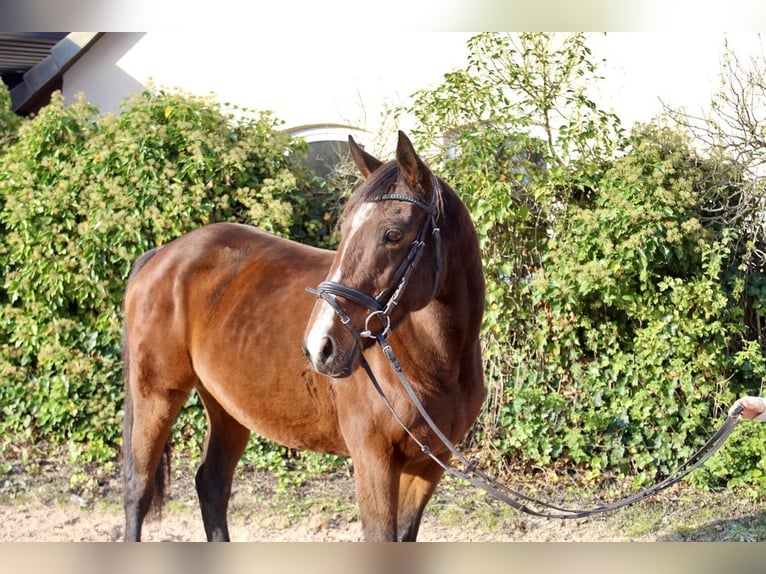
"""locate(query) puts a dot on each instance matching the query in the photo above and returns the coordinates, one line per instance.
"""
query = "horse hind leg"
(148, 423)
(224, 445)
(155, 391)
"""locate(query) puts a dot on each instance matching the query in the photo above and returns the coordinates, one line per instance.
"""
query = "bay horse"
(224, 310)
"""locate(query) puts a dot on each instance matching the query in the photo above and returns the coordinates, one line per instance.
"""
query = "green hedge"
(82, 195)
(621, 318)
(637, 346)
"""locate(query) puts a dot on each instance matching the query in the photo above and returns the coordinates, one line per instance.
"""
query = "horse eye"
(392, 236)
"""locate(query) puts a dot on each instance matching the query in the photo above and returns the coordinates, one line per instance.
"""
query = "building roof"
(21, 51)
(32, 64)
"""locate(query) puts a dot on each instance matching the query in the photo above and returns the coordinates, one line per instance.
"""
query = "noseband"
(380, 307)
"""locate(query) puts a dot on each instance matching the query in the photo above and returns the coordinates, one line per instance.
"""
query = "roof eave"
(47, 73)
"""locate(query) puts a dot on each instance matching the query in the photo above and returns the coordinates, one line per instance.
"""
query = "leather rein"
(381, 308)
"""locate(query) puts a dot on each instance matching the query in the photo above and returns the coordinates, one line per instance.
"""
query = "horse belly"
(273, 392)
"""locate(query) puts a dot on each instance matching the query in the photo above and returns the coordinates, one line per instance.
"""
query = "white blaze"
(326, 316)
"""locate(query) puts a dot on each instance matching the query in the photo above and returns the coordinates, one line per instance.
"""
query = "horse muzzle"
(329, 357)
(331, 348)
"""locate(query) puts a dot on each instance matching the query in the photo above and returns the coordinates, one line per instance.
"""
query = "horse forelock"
(383, 181)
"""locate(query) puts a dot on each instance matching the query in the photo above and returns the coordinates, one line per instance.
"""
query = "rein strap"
(516, 499)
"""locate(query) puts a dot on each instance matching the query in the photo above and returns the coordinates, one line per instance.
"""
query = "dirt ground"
(49, 503)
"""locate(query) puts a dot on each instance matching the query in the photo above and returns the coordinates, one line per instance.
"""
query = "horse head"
(388, 263)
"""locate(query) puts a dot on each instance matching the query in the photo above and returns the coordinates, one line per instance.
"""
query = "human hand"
(753, 408)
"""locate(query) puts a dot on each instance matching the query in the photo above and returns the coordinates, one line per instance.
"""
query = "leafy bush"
(81, 197)
(9, 121)
(633, 324)
(524, 141)
(614, 336)
(624, 313)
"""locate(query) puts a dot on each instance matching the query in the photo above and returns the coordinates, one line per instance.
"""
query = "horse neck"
(462, 254)
(458, 306)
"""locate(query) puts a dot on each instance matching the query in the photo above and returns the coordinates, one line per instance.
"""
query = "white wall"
(99, 75)
(306, 79)
(331, 78)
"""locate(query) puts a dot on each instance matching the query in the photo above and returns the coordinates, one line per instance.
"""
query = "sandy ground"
(71, 522)
(44, 506)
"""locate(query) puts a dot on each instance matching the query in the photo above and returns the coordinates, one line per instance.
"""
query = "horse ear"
(412, 168)
(365, 163)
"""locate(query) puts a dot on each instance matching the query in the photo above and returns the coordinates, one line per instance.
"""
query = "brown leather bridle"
(382, 305)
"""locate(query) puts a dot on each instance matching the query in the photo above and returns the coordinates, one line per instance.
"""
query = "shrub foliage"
(623, 316)
(82, 195)
(621, 319)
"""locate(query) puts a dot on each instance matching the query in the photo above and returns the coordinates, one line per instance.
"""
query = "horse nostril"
(328, 349)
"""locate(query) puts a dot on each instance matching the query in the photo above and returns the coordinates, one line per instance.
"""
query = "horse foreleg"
(376, 478)
(224, 445)
(416, 486)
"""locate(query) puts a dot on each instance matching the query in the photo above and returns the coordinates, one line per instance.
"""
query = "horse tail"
(162, 475)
